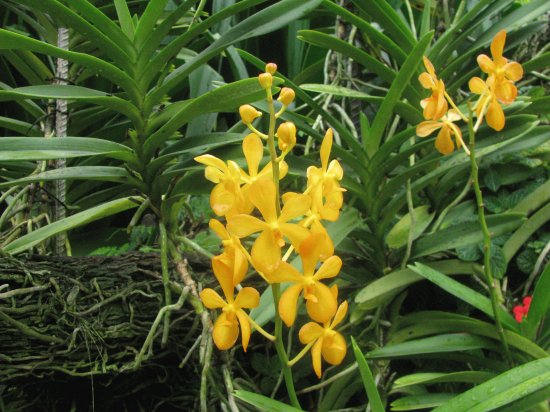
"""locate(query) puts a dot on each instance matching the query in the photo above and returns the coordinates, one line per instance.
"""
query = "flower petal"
(221, 200)
(325, 307)
(295, 206)
(219, 229)
(506, 92)
(326, 248)
(426, 128)
(334, 349)
(285, 273)
(316, 357)
(240, 266)
(211, 299)
(340, 314)
(426, 80)
(288, 304)
(477, 85)
(495, 116)
(213, 161)
(262, 195)
(513, 71)
(245, 225)
(309, 332)
(486, 64)
(266, 254)
(247, 298)
(428, 65)
(497, 45)
(245, 328)
(225, 332)
(310, 251)
(253, 150)
(224, 274)
(326, 146)
(295, 233)
(443, 142)
(329, 269)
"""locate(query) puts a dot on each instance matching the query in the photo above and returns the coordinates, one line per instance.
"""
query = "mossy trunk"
(70, 329)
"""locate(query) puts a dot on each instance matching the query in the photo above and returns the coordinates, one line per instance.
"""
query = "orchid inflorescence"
(496, 90)
(250, 203)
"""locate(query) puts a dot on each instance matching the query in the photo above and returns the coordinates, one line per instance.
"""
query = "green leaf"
(68, 92)
(427, 378)
(399, 234)
(383, 289)
(124, 18)
(498, 261)
(39, 148)
(148, 20)
(262, 22)
(463, 292)
(464, 234)
(263, 402)
(406, 72)
(540, 304)
(492, 179)
(469, 253)
(508, 387)
(19, 126)
(107, 209)
(453, 342)
(540, 62)
(368, 381)
(414, 402)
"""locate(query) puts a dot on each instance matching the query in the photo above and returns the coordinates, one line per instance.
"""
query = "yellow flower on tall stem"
(436, 105)
(266, 251)
(324, 341)
(487, 106)
(320, 302)
(233, 256)
(443, 142)
(226, 327)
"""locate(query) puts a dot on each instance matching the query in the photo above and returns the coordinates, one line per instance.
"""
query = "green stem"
(276, 288)
(488, 271)
(165, 280)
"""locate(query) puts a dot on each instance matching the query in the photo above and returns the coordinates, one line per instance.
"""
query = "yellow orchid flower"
(502, 72)
(487, 105)
(253, 150)
(266, 251)
(226, 198)
(324, 341)
(323, 183)
(226, 327)
(436, 105)
(443, 142)
(233, 255)
(320, 302)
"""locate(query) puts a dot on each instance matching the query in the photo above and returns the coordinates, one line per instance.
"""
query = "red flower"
(520, 311)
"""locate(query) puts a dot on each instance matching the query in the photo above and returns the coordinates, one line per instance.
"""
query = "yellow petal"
(213, 174)
(253, 150)
(316, 357)
(326, 249)
(295, 206)
(326, 146)
(310, 251)
(247, 298)
(495, 116)
(497, 45)
(426, 80)
(245, 328)
(329, 269)
(221, 200)
(340, 314)
(225, 332)
(266, 253)
(506, 92)
(334, 349)
(477, 85)
(219, 229)
(443, 142)
(295, 233)
(486, 64)
(262, 195)
(325, 307)
(224, 274)
(335, 170)
(456, 131)
(288, 304)
(426, 128)
(513, 71)
(244, 225)
(210, 160)
(309, 332)
(428, 65)
(248, 113)
(283, 169)
(285, 273)
(211, 299)
(241, 266)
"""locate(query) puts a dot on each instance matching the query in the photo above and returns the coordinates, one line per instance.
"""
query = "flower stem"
(276, 288)
(488, 271)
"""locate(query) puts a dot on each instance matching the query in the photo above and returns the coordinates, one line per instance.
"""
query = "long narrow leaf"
(368, 381)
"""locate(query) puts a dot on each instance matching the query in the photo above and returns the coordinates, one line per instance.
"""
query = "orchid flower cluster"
(496, 90)
(249, 202)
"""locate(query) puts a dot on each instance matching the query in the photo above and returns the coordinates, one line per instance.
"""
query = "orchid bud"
(286, 133)
(266, 80)
(271, 68)
(286, 96)
(248, 113)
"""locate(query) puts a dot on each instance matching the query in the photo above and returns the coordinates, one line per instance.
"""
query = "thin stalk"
(165, 281)
(276, 288)
(488, 271)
